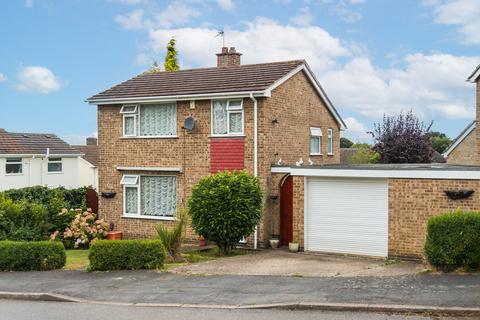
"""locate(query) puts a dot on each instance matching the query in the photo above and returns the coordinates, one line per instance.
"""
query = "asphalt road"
(26, 310)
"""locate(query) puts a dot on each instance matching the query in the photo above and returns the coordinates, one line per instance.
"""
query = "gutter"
(255, 154)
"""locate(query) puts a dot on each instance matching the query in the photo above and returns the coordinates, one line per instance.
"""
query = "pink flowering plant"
(83, 230)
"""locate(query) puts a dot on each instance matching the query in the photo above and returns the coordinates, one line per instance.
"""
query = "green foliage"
(226, 207)
(171, 63)
(345, 143)
(107, 255)
(33, 255)
(32, 213)
(364, 155)
(21, 220)
(453, 240)
(439, 141)
(172, 237)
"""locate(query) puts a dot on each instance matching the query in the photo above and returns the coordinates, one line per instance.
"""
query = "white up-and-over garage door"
(347, 215)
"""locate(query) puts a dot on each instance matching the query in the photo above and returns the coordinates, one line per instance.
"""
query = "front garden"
(36, 228)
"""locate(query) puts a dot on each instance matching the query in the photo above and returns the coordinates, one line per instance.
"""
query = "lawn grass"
(78, 259)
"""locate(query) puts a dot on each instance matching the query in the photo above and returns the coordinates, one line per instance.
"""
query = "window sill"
(60, 172)
(150, 137)
(13, 174)
(227, 136)
(136, 216)
(329, 154)
(316, 154)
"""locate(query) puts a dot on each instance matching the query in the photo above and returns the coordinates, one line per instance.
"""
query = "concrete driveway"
(284, 263)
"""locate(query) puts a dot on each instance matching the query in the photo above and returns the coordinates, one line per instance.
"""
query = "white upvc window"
(148, 196)
(54, 165)
(315, 141)
(150, 120)
(227, 117)
(330, 141)
(14, 166)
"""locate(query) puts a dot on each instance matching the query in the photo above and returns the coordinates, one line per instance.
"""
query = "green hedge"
(453, 240)
(34, 255)
(126, 254)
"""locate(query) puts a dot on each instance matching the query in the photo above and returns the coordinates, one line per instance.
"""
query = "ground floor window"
(14, 166)
(151, 196)
(54, 164)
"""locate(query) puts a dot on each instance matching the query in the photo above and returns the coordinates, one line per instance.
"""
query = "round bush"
(226, 207)
(453, 240)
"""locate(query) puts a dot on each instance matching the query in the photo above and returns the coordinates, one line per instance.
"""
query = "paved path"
(26, 310)
(157, 287)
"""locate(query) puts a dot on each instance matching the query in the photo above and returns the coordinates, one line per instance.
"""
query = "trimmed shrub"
(33, 255)
(107, 255)
(226, 207)
(453, 240)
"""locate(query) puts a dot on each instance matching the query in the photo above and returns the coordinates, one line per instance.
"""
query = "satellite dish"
(189, 123)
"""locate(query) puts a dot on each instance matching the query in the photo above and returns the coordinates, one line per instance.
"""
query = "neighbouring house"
(346, 154)
(465, 148)
(90, 154)
(159, 133)
(31, 159)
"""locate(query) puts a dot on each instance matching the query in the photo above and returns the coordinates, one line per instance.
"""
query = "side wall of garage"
(413, 201)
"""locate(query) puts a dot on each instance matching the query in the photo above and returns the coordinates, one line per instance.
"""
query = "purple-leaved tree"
(403, 138)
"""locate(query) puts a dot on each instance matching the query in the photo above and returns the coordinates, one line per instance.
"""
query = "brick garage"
(404, 198)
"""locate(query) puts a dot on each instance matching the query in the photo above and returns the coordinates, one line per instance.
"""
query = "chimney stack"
(92, 141)
(228, 58)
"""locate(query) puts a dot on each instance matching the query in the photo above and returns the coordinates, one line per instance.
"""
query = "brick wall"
(466, 153)
(296, 107)
(413, 201)
(298, 209)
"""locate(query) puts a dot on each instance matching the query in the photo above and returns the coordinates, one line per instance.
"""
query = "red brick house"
(159, 133)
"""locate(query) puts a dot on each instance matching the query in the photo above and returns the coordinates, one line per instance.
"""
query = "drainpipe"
(43, 165)
(30, 170)
(255, 154)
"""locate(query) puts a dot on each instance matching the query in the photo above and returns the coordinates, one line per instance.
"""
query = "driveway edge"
(352, 307)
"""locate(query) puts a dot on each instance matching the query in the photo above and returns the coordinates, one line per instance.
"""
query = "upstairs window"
(54, 164)
(14, 166)
(330, 141)
(227, 117)
(149, 120)
(315, 141)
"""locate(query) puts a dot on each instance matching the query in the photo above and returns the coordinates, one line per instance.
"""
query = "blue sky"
(372, 57)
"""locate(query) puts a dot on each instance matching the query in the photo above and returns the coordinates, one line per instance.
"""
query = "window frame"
(330, 141)
(320, 138)
(55, 161)
(137, 186)
(136, 114)
(230, 109)
(20, 162)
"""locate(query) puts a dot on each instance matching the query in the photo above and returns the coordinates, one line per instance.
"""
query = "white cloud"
(464, 14)
(175, 13)
(303, 19)
(227, 5)
(131, 21)
(432, 85)
(344, 9)
(255, 41)
(3, 77)
(37, 79)
(28, 3)
(356, 131)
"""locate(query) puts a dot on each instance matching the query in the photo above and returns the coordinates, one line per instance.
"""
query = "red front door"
(286, 211)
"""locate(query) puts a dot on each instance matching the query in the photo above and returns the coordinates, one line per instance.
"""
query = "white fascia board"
(316, 85)
(153, 169)
(206, 96)
(362, 173)
(475, 75)
(459, 140)
(13, 155)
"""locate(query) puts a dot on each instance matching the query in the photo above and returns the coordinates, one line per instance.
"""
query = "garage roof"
(417, 171)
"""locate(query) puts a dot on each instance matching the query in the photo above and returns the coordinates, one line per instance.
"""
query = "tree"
(403, 139)
(439, 141)
(364, 155)
(171, 63)
(345, 143)
(226, 207)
